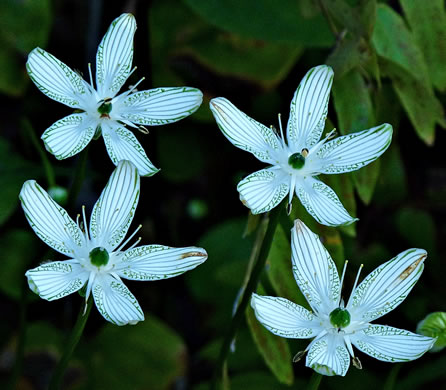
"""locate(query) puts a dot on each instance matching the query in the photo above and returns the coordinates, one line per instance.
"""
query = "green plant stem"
(79, 175)
(249, 289)
(76, 333)
(49, 172)
(314, 382)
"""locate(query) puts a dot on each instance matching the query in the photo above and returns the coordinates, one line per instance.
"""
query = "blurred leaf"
(359, 20)
(394, 42)
(184, 161)
(345, 57)
(417, 227)
(18, 247)
(434, 325)
(252, 224)
(274, 349)
(41, 336)
(427, 20)
(356, 116)
(13, 172)
(387, 107)
(148, 355)
(280, 269)
(218, 280)
(13, 76)
(265, 20)
(25, 24)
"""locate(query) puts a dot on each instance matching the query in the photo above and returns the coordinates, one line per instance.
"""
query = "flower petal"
(263, 190)
(55, 79)
(328, 355)
(285, 318)
(57, 279)
(50, 221)
(121, 144)
(308, 109)
(387, 286)
(391, 344)
(314, 270)
(115, 55)
(115, 301)
(69, 136)
(161, 105)
(322, 203)
(243, 131)
(153, 262)
(113, 212)
(351, 152)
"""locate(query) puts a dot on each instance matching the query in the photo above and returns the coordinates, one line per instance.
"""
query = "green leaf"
(394, 42)
(265, 20)
(147, 355)
(345, 57)
(427, 20)
(434, 325)
(274, 349)
(417, 227)
(356, 116)
(25, 24)
(279, 268)
(18, 247)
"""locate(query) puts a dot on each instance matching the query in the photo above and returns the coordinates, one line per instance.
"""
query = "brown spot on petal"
(405, 274)
(193, 254)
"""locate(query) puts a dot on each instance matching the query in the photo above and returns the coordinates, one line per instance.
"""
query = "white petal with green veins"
(57, 279)
(161, 105)
(50, 221)
(69, 135)
(121, 145)
(55, 79)
(391, 344)
(285, 318)
(114, 210)
(322, 203)
(309, 107)
(353, 151)
(263, 190)
(243, 131)
(328, 355)
(154, 262)
(115, 55)
(115, 301)
(387, 286)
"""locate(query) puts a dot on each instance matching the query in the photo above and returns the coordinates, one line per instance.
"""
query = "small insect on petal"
(193, 254)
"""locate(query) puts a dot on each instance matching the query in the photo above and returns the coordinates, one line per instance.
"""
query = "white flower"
(103, 111)
(335, 326)
(97, 255)
(295, 163)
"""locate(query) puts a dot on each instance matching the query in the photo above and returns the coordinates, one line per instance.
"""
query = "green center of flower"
(340, 318)
(105, 108)
(296, 160)
(99, 256)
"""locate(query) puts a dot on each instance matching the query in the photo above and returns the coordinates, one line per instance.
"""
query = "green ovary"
(296, 161)
(340, 318)
(99, 256)
(105, 108)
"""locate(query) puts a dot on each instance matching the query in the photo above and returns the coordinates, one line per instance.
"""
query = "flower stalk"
(76, 333)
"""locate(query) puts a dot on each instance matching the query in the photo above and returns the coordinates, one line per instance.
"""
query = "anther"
(357, 363)
(299, 356)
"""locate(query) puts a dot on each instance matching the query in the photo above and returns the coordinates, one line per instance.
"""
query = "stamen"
(316, 147)
(299, 356)
(133, 87)
(291, 193)
(128, 239)
(281, 129)
(343, 273)
(91, 76)
(357, 363)
(135, 243)
(354, 285)
(85, 223)
(143, 129)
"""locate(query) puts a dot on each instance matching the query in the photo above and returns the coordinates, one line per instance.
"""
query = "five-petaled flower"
(334, 325)
(102, 111)
(296, 163)
(97, 255)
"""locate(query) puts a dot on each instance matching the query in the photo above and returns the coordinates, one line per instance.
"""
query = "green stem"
(314, 382)
(79, 175)
(49, 172)
(249, 289)
(76, 333)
